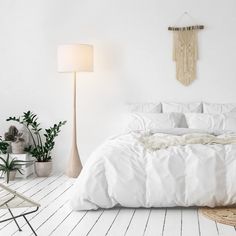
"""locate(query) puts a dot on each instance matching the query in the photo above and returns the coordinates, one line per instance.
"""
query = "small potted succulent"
(16, 140)
(42, 146)
(9, 167)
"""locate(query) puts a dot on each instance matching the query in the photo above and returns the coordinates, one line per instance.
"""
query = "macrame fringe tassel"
(185, 54)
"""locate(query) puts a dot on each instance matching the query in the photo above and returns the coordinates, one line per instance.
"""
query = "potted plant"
(41, 145)
(9, 167)
(16, 140)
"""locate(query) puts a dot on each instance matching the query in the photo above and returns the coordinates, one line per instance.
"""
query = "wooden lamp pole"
(74, 166)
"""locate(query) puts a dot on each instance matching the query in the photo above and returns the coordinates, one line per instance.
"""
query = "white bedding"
(152, 121)
(217, 108)
(223, 121)
(123, 172)
(195, 107)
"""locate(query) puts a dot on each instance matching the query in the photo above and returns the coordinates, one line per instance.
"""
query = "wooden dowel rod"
(193, 27)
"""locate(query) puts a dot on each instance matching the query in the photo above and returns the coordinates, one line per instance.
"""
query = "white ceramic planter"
(17, 147)
(43, 169)
(12, 175)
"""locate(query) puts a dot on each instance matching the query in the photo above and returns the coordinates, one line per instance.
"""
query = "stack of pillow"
(168, 115)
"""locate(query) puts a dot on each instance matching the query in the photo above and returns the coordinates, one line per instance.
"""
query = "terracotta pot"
(43, 169)
(12, 175)
(17, 147)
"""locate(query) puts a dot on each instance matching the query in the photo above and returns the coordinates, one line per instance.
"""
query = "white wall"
(132, 60)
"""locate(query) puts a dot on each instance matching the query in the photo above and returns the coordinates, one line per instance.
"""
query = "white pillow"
(144, 107)
(224, 121)
(217, 108)
(153, 121)
(195, 107)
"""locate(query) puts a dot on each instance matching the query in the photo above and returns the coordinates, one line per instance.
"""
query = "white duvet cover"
(124, 172)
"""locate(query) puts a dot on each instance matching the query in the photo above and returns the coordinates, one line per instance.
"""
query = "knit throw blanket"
(157, 141)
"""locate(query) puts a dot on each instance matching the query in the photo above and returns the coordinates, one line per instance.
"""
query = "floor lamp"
(73, 58)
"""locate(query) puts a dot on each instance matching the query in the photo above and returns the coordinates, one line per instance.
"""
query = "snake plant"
(7, 165)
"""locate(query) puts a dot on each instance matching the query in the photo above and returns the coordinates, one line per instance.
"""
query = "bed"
(169, 155)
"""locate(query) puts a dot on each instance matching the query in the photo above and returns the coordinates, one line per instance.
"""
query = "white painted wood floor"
(56, 218)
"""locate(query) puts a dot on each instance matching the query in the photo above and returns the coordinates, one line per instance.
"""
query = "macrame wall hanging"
(185, 51)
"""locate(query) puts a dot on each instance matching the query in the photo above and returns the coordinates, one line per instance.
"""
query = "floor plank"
(104, 223)
(69, 223)
(190, 224)
(207, 227)
(155, 222)
(172, 224)
(88, 222)
(226, 230)
(56, 217)
(122, 222)
(138, 224)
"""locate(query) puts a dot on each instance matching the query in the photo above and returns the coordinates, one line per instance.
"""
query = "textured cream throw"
(185, 54)
(160, 141)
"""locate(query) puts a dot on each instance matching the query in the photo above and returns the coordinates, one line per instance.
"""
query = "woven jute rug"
(223, 215)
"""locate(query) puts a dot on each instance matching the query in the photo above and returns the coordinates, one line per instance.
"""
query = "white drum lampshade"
(75, 58)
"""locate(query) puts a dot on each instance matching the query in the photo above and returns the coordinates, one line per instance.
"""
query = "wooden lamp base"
(74, 166)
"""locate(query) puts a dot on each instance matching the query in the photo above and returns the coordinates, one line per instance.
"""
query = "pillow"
(195, 107)
(224, 121)
(153, 121)
(217, 108)
(144, 107)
